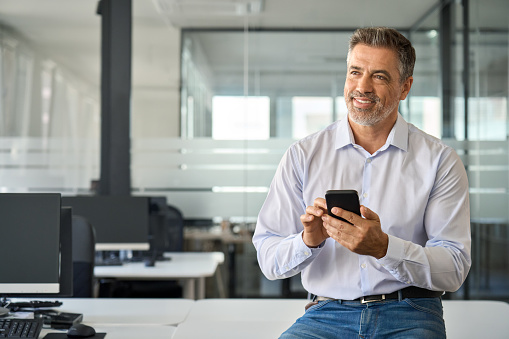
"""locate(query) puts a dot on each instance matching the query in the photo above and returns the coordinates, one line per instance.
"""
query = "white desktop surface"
(127, 331)
(116, 311)
(191, 267)
(474, 319)
(268, 318)
(240, 318)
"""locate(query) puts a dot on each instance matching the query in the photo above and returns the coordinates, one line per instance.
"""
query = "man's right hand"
(314, 232)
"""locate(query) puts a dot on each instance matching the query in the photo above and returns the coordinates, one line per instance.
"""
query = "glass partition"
(50, 121)
(488, 149)
(216, 163)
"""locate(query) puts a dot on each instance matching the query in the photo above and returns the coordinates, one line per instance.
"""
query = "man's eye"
(380, 77)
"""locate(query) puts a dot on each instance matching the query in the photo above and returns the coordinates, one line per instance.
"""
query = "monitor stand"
(4, 311)
(108, 258)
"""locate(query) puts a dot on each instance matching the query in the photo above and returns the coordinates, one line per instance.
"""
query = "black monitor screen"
(30, 250)
(120, 222)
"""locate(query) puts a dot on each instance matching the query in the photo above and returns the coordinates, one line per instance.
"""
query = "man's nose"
(365, 84)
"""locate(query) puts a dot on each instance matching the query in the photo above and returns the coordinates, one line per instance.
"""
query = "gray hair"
(387, 38)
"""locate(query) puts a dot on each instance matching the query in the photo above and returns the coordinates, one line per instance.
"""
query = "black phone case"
(345, 199)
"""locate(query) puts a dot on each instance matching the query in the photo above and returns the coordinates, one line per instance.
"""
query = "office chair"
(174, 230)
(83, 256)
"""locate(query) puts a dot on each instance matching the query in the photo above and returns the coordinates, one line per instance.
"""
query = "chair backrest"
(167, 230)
(83, 257)
(175, 229)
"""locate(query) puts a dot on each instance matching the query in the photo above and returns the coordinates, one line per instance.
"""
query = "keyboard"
(16, 306)
(20, 328)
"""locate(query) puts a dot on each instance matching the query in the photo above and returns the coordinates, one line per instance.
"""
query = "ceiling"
(69, 30)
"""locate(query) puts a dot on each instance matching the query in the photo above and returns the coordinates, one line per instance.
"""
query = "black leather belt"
(409, 292)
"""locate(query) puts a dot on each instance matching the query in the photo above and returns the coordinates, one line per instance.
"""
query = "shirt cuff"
(394, 255)
(303, 251)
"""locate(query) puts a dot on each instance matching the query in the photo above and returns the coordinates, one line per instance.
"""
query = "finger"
(341, 234)
(313, 210)
(321, 203)
(351, 217)
(369, 214)
(333, 231)
(336, 225)
(306, 218)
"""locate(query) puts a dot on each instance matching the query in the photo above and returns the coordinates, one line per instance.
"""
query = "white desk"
(190, 267)
(128, 331)
(128, 318)
(268, 318)
(240, 318)
(116, 311)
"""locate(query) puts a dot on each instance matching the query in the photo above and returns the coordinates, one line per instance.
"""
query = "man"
(382, 276)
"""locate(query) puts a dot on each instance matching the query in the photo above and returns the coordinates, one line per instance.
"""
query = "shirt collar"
(398, 136)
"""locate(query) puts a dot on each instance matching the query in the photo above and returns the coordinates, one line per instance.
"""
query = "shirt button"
(363, 266)
(368, 160)
(306, 253)
(365, 195)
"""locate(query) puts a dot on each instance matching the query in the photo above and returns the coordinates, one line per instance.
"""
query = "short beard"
(367, 117)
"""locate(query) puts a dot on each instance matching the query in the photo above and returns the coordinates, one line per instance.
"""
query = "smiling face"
(373, 88)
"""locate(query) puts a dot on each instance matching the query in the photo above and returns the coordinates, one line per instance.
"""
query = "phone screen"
(345, 199)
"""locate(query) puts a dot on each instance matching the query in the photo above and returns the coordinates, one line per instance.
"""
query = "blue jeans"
(420, 318)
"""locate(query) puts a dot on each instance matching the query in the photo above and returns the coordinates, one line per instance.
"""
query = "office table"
(127, 318)
(228, 239)
(132, 311)
(127, 331)
(268, 318)
(189, 267)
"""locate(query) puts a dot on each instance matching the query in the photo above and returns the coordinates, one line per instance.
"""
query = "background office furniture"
(30, 228)
(166, 234)
(83, 254)
(174, 226)
(189, 267)
(220, 240)
(166, 227)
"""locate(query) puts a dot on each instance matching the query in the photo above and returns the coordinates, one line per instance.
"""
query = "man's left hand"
(363, 236)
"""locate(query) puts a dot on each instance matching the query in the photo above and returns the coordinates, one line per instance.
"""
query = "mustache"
(369, 96)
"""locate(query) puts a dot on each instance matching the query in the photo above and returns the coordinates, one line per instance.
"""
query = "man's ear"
(405, 89)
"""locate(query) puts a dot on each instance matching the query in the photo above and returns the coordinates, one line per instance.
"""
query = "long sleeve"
(278, 240)
(444, 262)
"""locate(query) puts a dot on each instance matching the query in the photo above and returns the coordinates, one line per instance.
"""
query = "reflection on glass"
(426, 114)
(240, 118)
(310, 114)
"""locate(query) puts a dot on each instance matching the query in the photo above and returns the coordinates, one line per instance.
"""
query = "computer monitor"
(120, 222)
(30, 250)
(66, 262)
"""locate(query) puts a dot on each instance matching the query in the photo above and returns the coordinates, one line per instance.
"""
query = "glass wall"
(488, 147)
(50, 123)
(213, 110)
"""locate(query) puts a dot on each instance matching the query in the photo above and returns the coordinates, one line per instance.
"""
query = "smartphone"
(345, 199)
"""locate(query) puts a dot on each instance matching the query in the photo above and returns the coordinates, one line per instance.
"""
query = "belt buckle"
(372, 298)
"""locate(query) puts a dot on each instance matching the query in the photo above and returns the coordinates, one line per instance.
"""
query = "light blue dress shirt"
(415, 183)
